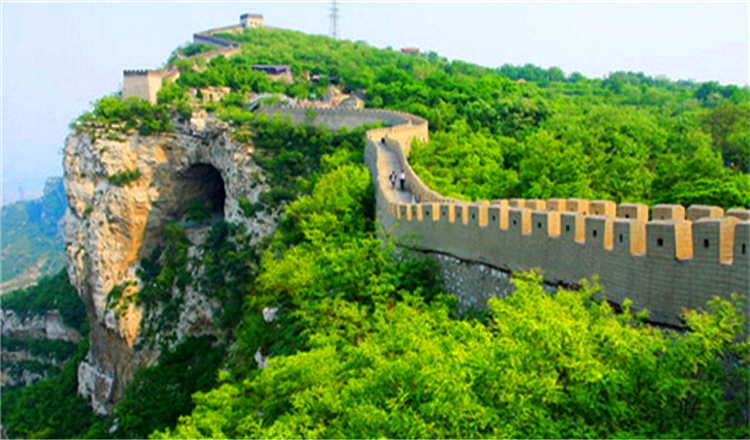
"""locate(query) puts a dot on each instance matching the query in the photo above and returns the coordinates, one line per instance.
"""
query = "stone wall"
(207, 38)
(336, 118)
(664, 265)
(143, 84)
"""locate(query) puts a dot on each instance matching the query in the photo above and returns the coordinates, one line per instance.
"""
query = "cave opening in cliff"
(202, 189)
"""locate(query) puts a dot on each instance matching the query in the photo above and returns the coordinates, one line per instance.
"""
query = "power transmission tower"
(334, 20)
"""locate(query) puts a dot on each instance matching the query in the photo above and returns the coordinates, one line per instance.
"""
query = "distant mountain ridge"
(32, 237)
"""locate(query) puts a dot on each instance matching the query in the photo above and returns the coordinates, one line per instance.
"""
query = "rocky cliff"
(122, 189)
(27, 354)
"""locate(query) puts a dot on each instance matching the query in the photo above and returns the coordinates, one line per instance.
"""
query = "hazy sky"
(59, 57)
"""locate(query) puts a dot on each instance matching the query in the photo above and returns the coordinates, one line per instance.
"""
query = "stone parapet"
(664, 265)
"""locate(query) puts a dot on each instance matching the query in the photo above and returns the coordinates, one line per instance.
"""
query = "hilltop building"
(275, 72)
(251, 21)
(141, 83)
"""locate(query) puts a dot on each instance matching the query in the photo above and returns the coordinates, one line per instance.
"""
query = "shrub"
(199, 212)
(124, 177)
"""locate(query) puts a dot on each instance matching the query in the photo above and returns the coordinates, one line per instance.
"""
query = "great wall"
(664, 264)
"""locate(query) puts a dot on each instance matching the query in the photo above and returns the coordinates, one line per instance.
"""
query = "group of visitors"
(401, 178)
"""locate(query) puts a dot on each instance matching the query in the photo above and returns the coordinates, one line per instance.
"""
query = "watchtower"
(141, 83)
(251, 20)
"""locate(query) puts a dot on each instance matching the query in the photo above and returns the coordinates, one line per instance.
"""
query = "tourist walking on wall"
(392, 179)
(402, 179)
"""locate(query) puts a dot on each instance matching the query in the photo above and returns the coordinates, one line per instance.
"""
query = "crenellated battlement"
(140, 72)
(664, 259)
(677, 237)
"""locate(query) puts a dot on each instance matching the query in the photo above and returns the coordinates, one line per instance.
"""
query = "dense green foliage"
(53, 349)
(585, 138)
(159, 395)
(356, 351)
(544, 367)
(124, 177)
(198, 212)
(324, 265)
(32, 237)
(607, 152)
(289, 154)
(124, 115)
(49, 408)
(191, 49)
(50, 293)
(628, 137)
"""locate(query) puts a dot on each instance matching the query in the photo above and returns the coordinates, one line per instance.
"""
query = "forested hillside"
(628, 138)
(49, 408)
(32, 237)
(355, 337)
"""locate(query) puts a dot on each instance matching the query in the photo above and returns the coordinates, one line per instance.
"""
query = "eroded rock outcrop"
(20, 364)
(48, 326)
(122, 189)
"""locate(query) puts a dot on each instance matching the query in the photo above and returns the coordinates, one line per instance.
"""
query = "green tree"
(545, 366)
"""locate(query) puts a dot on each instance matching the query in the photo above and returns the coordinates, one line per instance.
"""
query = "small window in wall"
(493, 218)
(705, 243)
(620, 238)
(514, 222)
(539, 225)
(744, 248)
(594, 233)
(660, 242)
(627, 215)
(567, 228)
(473, 216)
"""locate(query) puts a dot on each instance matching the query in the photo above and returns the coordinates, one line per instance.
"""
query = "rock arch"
(203, 182)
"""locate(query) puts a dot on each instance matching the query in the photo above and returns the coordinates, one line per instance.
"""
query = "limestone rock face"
(113, 221)
(47, 326)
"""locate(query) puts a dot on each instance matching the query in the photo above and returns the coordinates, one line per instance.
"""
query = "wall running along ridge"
(679, 259)
(145, 84)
